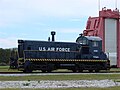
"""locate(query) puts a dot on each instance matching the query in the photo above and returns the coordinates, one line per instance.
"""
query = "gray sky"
(35, 19)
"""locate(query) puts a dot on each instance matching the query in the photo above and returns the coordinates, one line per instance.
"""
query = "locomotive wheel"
(43, 71)
(74, 70)
(49, 71)
(80, 71)
(28, 67)
(27, 70)
(97, 71)
(91, 71)
(50, 67)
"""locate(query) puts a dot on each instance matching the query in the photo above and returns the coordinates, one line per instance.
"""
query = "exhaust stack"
(53, 35)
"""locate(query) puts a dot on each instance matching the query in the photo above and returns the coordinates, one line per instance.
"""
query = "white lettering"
(68, 49)
(42, 49)
(54, 49)
(57, 49)
(49, 49)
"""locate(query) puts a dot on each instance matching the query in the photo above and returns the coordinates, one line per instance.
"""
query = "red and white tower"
(107, 26)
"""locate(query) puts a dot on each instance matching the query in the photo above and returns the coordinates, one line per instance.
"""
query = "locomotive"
(84, 54)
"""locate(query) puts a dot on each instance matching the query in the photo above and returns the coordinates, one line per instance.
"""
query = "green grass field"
(6, 69)
(115, 77)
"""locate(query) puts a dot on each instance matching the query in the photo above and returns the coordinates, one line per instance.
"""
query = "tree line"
(5, 55)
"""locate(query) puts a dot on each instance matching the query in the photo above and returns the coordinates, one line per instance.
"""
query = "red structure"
(107, 26)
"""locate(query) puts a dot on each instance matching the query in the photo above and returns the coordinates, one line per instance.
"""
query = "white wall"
(111, 39)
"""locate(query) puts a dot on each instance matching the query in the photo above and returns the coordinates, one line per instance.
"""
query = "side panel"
(111, 39)
(49, 50)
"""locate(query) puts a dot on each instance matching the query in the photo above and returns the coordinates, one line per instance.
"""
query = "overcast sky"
(35, 19)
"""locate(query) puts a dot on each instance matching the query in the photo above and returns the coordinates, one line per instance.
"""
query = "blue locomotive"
(84, 54)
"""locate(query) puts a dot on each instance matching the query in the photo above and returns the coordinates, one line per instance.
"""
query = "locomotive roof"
(45, 41)
(93, 38)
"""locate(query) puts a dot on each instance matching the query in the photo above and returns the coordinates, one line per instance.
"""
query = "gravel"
(59, 84)
(43, 74)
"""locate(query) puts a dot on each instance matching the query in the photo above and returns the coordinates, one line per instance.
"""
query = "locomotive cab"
(91, 47)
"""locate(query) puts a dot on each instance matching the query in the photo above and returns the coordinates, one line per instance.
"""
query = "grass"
(115, 69)
(115, 77)
(6, 69)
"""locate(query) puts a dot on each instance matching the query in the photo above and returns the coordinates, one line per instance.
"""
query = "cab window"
(95, 44)
(83, 41)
